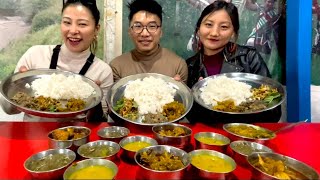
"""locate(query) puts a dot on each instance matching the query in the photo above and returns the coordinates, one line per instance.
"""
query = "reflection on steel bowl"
(49, 164)
(180, 93)
(268, 90)
(70, 137)
(249, 132)
(18, 81)
(267, 165)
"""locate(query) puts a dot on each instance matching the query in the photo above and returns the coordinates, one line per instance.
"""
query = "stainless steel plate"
(17, 83)
(183, 94)
(252, 79)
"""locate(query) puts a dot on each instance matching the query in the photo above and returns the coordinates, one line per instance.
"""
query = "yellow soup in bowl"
(136, 146)
(93, 172)
(211, 141)
(211, 163)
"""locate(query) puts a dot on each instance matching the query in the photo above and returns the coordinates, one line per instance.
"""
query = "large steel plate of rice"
(238, 93)
(149, 99)
(50, 93)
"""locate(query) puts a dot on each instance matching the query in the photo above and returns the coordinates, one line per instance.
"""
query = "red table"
(19, 140)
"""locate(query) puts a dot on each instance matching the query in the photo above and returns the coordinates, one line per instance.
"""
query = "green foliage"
(315, 66)
(11, 55)
(44, 19)
(8, 4)
(29, 8)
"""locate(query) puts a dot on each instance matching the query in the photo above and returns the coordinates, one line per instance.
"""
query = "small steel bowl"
(32, 163)
(91, 163)
(130, 154)
(147, 173)
(305, 170)
(235, 136)
(201, 145)
(181, 142)
(242, 149)
(211, 174)
(111, 147)
(72, 144)
(113, 133)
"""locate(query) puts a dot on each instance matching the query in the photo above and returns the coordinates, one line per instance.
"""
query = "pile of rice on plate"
(222, 89)
(150, 100)
(150, 93)
(59, 86)
(56, 93)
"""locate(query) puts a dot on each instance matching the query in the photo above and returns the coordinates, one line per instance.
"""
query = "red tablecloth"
(19, 140)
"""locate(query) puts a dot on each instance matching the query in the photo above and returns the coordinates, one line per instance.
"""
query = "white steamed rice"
(150, 93)
(223, 88)
(59, 86)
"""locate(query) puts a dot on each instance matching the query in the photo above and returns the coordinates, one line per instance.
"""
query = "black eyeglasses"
(151, 27)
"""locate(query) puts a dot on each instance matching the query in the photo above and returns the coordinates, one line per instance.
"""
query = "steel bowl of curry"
(113, 133)
(212, 141)
(162, 162)
(70, 137)
(49, 164)
(240, 150)
(131, 144)
(91, 169)
(268, 165)
(149, 99)
(210, 164)
(99, 149)
(172, 134)
(248, 132)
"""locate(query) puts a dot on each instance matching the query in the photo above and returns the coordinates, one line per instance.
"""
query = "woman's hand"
(200, 78)
(23, 69)
(177, 77)
(98, 82)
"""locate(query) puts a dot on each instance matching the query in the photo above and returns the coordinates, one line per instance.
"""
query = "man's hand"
(200, 78)
(23, 69)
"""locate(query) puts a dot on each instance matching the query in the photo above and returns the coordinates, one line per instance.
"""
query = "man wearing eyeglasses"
(145, 30)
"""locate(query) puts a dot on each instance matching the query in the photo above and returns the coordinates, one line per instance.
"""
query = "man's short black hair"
(150, 6)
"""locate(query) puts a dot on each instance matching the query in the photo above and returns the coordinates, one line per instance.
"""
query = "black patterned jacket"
(245, 59)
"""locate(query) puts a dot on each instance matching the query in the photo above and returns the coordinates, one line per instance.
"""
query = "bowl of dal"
(210, 164)
(162, 162)
(212, 141)
(132, 144)
(99, 149)
(172, 134)
(91, 169)
(48, 93)
(49, 164)
(149, 99)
